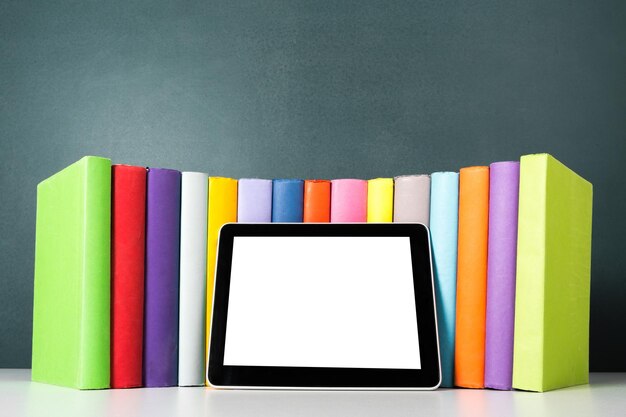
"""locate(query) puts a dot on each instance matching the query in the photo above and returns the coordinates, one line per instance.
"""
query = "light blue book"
(444, 214)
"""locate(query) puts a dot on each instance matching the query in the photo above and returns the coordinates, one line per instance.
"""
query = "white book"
(193, 252)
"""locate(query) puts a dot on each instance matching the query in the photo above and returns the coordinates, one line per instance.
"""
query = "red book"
(316, 201)
(128, 225)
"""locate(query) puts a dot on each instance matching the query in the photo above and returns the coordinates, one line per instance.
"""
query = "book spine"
(95, 348)
(380, 200)
(501, 261)
(254, 201)
(160, 361)
(444, 210)
(39, 355)
(348, 201)
(472, 277)
(316, 201)
(127, 276)
(287, 200)
(222, 209)
(530, 273)
(193, 243)
(411, 200)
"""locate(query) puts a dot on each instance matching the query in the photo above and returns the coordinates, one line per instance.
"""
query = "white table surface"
(605, 396)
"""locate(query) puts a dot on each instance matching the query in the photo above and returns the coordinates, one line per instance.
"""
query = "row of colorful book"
(125, 261)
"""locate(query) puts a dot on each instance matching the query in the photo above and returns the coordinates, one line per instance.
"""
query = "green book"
(551, 343)
(72, 276)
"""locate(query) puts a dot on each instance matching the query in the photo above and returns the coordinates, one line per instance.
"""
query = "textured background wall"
(320, 88)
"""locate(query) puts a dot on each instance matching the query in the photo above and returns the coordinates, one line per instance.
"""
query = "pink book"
(348, 201)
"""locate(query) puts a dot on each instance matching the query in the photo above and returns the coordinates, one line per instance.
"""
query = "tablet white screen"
(339, 302)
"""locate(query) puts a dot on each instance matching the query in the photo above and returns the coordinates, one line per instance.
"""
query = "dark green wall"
(320, 88)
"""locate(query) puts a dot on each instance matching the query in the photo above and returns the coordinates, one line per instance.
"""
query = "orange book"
(316, 201)
(471, 286)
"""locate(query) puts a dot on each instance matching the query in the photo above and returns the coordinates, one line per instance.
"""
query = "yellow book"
(380, 200)
(222, 208)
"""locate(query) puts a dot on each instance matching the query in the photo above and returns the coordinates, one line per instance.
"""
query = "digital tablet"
(324, 306)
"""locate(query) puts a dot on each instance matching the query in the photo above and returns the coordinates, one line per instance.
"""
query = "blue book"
(287, 200)
(444, 211)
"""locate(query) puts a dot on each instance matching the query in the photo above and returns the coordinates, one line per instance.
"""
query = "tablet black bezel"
(427, 377)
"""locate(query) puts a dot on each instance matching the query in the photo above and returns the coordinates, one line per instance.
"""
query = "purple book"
(254, 201)
(160, 352)
(502, 247)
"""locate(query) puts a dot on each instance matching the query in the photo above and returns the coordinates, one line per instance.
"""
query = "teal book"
(551, 336)
(71, 306)
(444, 215)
